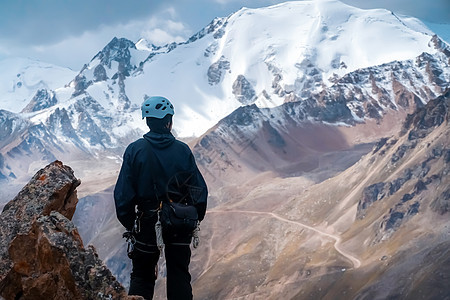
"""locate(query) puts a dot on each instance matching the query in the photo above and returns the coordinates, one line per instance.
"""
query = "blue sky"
(69, 33)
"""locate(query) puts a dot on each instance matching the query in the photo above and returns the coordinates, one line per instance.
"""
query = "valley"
(326, 154)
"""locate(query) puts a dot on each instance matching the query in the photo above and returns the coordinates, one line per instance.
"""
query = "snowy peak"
(320, 61)
(21, 79)
(42, 100)
(113, 62)
(440, 45)
(117, 50)
(215, 27)
(281, 53)
(326, 35)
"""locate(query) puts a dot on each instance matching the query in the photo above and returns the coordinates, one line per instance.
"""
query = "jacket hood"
(159, 140)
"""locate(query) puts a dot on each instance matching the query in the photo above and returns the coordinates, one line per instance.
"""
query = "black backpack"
(178, 213)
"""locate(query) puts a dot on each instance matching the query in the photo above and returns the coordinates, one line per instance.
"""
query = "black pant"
(143, 276)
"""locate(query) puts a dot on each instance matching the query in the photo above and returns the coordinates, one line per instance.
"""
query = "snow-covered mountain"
(377, 230)
(264, 56)
(22, 79)
(278, 100)
(309, 60)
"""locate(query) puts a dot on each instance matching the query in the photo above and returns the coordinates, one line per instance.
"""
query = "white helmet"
(157, 107)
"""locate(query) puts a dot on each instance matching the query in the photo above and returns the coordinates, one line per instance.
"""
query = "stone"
(42, 254)
(216, 71)
(243, 90)
(441, 204)
(42, 99)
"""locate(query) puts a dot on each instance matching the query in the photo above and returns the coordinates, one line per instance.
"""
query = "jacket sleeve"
(124, 193)
(203, 196)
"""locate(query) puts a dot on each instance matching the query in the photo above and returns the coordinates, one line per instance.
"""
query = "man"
(148, 165)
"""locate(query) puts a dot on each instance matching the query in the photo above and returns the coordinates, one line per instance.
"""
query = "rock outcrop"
(42, 100)
(41, 253)
(243, 90)
(421, 160)
(217, 70)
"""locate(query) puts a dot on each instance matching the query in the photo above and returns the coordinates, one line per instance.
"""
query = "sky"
(69, 33)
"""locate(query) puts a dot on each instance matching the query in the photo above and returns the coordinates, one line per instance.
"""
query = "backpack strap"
(158, 227)
(155, 159)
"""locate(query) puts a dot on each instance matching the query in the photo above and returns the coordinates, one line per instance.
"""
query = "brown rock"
(42, 254)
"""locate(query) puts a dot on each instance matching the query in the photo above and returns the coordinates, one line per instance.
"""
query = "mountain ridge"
(299, 142)
(390, 215)
(96, 114)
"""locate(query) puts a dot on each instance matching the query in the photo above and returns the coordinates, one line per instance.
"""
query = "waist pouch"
(178, 219)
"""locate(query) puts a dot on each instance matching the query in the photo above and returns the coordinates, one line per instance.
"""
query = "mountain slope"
(321, 66)
(277, 111)
(375, 231)
(22, 78)
(284, 63)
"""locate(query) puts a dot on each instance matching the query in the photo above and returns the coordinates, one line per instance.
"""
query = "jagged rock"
(380, 190)
(215, 26)
(441, 204)
(100, 73)
(32, 144)
(125, 103)
(118, 49)
(428, 117)
(243, 90)
(59, 121)
(330, 110)
(418, 126)
(396, 216)
(10, 125)
(371, 194)
(277, 88)
(43, 99)
(215, 71)
(211, 50)
(402, 150)
(81, 84)
(364, 89)
(42, 254)
(379, 144)
(243, 116)
(89, 130)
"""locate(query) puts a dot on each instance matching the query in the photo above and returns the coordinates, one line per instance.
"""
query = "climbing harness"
(195, 237)
(131, 241)
(159, 237)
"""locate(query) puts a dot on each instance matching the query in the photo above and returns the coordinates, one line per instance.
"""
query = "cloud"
(76, 50)
(162, 28)
(72, 52)
(172, 12)
(48, 21)
(158, 36)
(71, 32)
(175, 26)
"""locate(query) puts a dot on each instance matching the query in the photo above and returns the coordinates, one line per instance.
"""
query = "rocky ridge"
(97, 111)
(389, 211)
(42, 254)
(419, 177)
(370, 93)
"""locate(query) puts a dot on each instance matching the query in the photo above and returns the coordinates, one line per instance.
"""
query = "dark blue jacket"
(134, 185)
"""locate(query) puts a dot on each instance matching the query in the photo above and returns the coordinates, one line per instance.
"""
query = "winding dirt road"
(337, 245)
